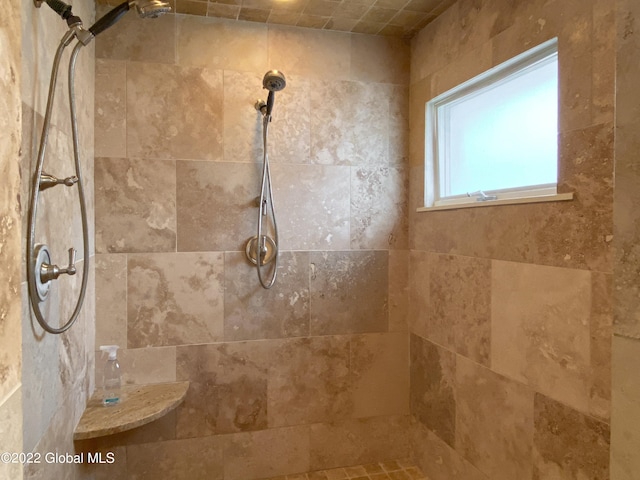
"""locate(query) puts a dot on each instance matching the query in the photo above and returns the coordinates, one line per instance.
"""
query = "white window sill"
(559, 197)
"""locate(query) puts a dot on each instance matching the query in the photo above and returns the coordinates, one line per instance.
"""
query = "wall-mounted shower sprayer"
(274, 81)
(40, 270)
(262, 249)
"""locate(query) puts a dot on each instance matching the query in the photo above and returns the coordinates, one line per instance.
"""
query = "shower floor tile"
(397, 470)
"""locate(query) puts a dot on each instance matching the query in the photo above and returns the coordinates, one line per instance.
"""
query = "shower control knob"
(50, 272)
(71, 269)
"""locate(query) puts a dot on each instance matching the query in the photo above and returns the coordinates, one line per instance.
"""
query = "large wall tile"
(433, 391)
(310, 381)
(10, 413)
(464, 68)
(350, 123)
(419, 292)
(136, 40)
(358, 441)
(111, 288)
(143, 366)
(398, 125)
(399, 290)
(567, 444)
(159, 430)
(437, 459)
(627, 177)
(58, 437)
(190, 459)
(312, 53)
(221, 44)
(601, 339)
(540, 330)
(480, 22)
(625, 413)
(290, 130)
(110, 112)
(174, 299)
(269, 453)
(349, 292)
(603, 83)
(494, 422)
(380, 372)
(228, 388)
(586, 167)
(419, 95)
(441, 36)
(312, 206)
(252, 312)
(242, 122)
(42, 391)
(159, 125)
(460, 293)
(379, 208)
(379, 59)
(135, 205)
(229, 191)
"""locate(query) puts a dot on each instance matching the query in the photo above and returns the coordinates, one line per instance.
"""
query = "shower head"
(145, 9)
(273, 81)
(151, 8)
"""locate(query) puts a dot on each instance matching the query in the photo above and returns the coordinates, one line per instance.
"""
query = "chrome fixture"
(40, 270)
(262, 249)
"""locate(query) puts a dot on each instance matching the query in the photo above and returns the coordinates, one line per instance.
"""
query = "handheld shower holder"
(48, 181)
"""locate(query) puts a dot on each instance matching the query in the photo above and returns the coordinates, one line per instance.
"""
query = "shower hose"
(33, 205)
(266, 197)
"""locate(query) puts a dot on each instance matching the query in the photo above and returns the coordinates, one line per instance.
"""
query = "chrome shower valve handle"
(50, 272)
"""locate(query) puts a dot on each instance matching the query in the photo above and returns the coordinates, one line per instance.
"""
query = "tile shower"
(476, 341)
(313, 374)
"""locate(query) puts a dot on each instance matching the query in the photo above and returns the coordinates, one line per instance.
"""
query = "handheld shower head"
(145, 9)
(152, 8)
(274, 81)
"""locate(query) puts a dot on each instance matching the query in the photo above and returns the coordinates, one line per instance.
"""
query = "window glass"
(498, 132)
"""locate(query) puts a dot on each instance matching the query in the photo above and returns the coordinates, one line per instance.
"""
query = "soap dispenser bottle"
(111, 380)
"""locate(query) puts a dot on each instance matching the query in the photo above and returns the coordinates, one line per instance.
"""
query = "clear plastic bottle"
(111, 379)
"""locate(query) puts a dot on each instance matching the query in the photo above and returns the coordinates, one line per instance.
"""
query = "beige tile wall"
(313, 373)
(511, 307)
(57, 371)
(625, 415)
(10, 240)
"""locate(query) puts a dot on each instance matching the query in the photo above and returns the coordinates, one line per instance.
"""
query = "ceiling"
(402, 18)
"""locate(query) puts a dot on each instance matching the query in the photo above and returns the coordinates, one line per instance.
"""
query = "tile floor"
(396, 470)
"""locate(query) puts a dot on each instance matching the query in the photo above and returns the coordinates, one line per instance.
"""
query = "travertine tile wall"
(625, 415)
(10, 239)
(511, 306)
(313, 373)
(57, 370)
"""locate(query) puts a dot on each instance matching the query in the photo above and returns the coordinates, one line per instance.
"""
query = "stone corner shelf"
(141, 404)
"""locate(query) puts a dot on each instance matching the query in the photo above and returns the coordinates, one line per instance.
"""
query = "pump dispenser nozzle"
(111, 349)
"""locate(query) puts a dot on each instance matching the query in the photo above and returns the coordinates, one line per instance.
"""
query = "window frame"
(434, 129)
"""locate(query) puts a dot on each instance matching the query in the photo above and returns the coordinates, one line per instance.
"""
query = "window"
(495, 137)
